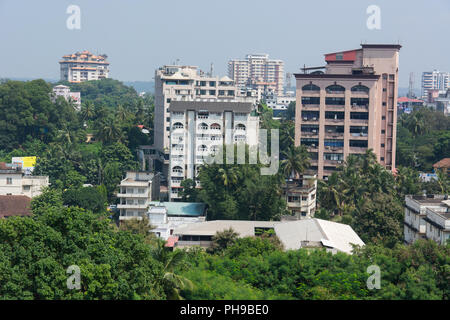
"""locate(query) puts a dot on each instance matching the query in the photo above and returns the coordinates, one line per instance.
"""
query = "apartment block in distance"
(84, 66)
(258, 72)
(200, 128)
(348, 106)
(434, 81)
(427, 217)
(136, 192)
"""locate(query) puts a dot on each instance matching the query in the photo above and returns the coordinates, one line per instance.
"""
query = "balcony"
(356, 107)
(132, 206)
(133, 195)
(358, 150)
(359, 121)
(310, 106)
(333, 162)
(310, 133)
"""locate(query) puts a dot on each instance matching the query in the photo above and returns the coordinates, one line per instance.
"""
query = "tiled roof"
(14, 206)
(444, 163)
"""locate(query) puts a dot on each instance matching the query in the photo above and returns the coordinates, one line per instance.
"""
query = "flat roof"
(382, 46)
(244, 228)
(211, 106)
(193, 209)
(336, 76)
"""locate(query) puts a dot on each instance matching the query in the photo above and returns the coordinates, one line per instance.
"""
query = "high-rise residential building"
(434, 81)
(258, 72)
(174, 82)
(200, 128)
(349, 106)
(84, 66)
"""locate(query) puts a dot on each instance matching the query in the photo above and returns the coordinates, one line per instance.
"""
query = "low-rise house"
(307, 233)
(13, 181)
(417, 215)
(443, 165)
(166, 216)
(11, 206)
(136, 192)
(64, 91)
(317, 233)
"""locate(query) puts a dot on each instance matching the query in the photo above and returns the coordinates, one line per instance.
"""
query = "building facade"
(136, 192)
(258, 72)
(434, 80)
(64, 91)
(200, 128)
(83, 66)
(185, 83)
(301, 197)
(13, 181)
(348, 106)
(427, 217)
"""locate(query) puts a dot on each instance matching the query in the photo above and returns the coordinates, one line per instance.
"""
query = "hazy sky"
(138, 36)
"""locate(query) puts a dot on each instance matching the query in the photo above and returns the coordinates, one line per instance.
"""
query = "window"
(383, 131)
(335, 101)
(8, 180)
(310, 100)
(335, 89)
(382, 145)
(202, 126)
(140, 190)
(360, 88)
(383, 117)
(310, 87)
(168, 100)
(26, 188)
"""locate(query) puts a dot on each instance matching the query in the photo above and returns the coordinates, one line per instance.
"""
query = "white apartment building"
(258, 72)
(173, 82)
(137, 189)
(300, 196)
(434, 80)
(200, 128)
(83, 66)
(13, 181)
(64, 91)
(427, 217)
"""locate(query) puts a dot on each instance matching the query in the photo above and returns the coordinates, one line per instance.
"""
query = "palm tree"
(171, 281)
(222, 239)
(296, 162)
(228, 175)
(109, 132)
(87, 111)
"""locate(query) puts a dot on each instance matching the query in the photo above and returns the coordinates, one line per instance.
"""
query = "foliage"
(89, 198)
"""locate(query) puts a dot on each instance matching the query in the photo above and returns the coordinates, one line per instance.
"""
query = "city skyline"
(141, 37)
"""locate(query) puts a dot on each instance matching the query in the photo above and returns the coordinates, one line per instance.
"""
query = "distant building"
(201, 128)
(308, 233)
(15, 205)
(405, 104)
(300, 196)
(84, 66)
(259, 73)
(349, 106)
(443, 165)
(64, 91)
(136, 192)
(427, 217)
(434, 80)
(166, 216)
(13, 181)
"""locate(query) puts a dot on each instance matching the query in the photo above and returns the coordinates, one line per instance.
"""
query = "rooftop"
(192, 209)
(14, 206)
(209, 228)
(331, 234)
(444, 163)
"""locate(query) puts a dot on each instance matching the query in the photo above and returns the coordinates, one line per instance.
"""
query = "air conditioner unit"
(314, 119)
(305, 118)
(313, 145)
(314, 131)
(339, 161)
(330, 131)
